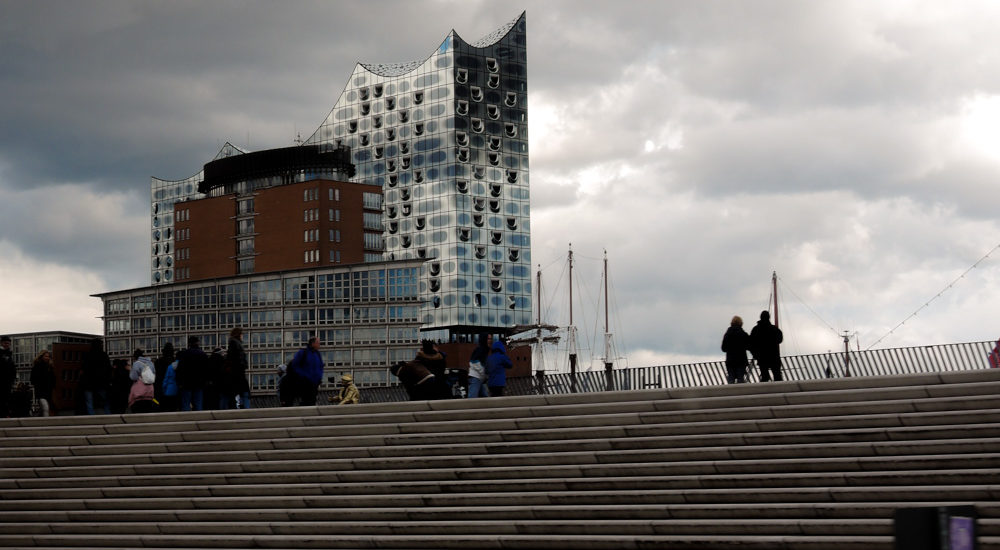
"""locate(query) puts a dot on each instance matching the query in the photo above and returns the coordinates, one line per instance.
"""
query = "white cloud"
(46, 296)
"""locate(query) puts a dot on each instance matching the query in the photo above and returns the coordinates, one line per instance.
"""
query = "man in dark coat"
(735, 343)
(95, 378)
(191, 374)
(765, 340)
(8, 373)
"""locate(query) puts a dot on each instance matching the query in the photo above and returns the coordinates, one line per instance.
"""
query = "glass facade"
(447, 140)
(364, 315)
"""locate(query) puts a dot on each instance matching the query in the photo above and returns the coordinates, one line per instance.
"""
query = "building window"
(372, 221)
(335, 256)
(245, 247)
(245, 227)
(265, 318)
(334, 194)
(234, 295)
(244, 207)
(300, 290)
(265, 292)
(373, 241)
(372, 201)
(245, 266)
(334, 287)
(334, 235)
(265, 339)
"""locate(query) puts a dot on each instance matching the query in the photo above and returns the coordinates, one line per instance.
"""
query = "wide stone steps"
(810, 465)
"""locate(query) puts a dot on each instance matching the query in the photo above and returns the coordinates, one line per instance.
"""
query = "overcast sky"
(852, 147)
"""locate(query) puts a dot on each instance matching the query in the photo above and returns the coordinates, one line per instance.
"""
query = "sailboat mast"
(774, 286)
(607, 330)
(571, 330)
(539, 351)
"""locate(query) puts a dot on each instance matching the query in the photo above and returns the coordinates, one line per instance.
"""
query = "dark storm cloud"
(705, 144)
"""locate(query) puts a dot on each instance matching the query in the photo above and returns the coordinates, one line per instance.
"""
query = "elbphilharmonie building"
(446, 140)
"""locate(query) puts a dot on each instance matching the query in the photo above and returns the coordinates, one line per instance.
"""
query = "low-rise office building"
(365, 315)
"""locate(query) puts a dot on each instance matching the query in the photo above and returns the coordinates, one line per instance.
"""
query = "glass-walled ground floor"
(366, 316)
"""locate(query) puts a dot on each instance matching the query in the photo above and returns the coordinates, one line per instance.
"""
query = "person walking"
(192, 369)
(43, 379)
(496, 368)
(765, 341)
(143, 376)
(306, 370)
(95, 377)
(237, 385)
(735, 343)
(8, 374)
(477, 368)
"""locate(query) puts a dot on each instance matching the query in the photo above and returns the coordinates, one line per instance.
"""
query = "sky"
(851, 147)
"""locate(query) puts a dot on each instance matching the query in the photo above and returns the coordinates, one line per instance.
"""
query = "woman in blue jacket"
(496, 368)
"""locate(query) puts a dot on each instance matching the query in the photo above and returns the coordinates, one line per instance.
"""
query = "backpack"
(148, 376)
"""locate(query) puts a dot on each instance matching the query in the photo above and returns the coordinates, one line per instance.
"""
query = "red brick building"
(239, 230)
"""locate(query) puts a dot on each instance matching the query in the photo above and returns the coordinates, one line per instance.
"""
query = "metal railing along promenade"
(879, 362)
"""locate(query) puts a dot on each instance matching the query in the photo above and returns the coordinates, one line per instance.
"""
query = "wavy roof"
(399, 69)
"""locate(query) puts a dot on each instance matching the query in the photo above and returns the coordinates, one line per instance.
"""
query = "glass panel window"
(232, 319)
(334, 287)
(265, 318)
(172, 300)
(335, 337)
(337, 357)
(334, 315)
(402, 283)
(369, 314)
(300, 316)
(297, 338)
(300, 290)
(265, 339)
(234, 295)
(265, 292)
(373, 335)
(376, 356)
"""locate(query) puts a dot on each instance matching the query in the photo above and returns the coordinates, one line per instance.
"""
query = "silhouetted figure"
(735, 343)
(765, 340)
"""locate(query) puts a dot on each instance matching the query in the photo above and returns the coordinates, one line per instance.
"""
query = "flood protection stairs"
(819, 464)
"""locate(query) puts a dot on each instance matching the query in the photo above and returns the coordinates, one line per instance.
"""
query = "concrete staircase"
(819, 464)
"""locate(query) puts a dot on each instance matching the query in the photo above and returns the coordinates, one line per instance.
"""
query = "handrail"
(879, 362)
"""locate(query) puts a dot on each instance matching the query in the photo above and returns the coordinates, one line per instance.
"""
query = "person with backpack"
(143, 376)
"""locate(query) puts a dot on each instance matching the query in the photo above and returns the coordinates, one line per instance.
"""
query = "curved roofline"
(399, 69)
(226, 150)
